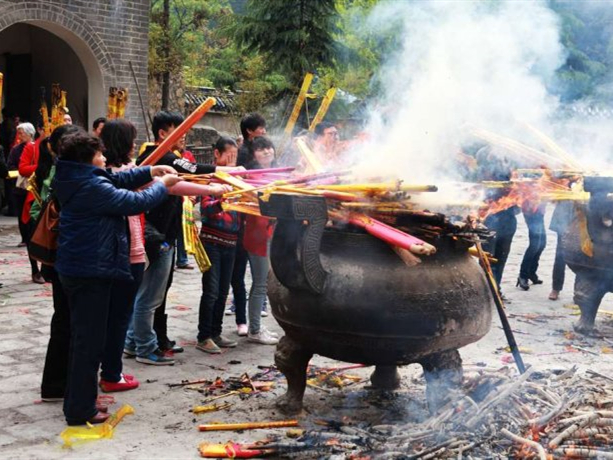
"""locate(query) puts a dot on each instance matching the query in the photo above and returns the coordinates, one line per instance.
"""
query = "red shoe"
(110, 387)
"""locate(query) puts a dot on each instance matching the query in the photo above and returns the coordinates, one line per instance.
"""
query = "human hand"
(171, 179)
(219, 189)
(162, 170)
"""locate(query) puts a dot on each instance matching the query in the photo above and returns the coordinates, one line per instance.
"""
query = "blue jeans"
(238, 283)
(141, 336)
(215, 287)
(182, 259)
(259, 273)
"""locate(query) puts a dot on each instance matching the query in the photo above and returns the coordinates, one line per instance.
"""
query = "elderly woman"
(25, 135)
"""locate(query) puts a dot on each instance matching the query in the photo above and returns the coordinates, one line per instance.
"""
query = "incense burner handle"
(294, 252)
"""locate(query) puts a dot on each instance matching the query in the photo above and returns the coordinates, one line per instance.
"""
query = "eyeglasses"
(333, 133)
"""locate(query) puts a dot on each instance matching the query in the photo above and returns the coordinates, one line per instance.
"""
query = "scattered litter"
(75, 435)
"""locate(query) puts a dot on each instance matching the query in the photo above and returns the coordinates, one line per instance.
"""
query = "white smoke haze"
(461, 64)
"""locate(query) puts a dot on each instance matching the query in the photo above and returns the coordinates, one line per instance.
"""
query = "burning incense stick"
(310, 157)
(166, 145)
(369, 188)
(254, 172)
(247, 425)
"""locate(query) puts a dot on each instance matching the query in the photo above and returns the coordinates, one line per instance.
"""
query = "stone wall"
(106, 35)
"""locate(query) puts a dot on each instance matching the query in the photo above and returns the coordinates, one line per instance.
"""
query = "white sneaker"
(263, 337)
(264, 312)
(270, 333)
(242, 330)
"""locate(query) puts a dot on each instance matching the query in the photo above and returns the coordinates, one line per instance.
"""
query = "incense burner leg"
(385, 378)
(589, 291)
(292, 359)
(443, 373)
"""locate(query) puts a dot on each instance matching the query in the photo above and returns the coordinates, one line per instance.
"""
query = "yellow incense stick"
(323, 108)
(308, 78)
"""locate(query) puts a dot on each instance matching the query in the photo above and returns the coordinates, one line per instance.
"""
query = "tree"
(174, 34)
(294, 36)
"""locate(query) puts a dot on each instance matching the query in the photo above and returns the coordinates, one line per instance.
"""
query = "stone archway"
(79, 36)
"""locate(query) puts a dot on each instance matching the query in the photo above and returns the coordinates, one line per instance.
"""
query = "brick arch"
(84, 41)
(49, 16)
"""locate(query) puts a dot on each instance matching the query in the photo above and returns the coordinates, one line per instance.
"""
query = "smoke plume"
(460, 64)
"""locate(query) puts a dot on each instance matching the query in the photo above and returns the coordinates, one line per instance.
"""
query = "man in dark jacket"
(162, 226)
(252, 125)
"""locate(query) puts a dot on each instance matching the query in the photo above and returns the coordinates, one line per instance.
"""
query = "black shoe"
(172, 346)
(522, 283)
(536, 280)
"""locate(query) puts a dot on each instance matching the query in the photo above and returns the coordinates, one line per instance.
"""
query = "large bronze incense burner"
(346, 295)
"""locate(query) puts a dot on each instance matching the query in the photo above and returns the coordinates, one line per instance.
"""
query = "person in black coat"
(93, 253)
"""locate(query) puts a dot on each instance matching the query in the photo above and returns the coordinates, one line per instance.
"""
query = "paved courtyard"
(163, 427)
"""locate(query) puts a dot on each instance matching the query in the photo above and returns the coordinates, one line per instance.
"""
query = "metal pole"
(142, 105)
(508, 332)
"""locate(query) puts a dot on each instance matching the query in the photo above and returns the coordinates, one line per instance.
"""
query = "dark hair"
(223, 142)
(58, 133)
(45, 162)
(321, 127)
(259, 143)
(251, 121)
(165, 120)
(118, 138)
(80, 147)
(97, 122)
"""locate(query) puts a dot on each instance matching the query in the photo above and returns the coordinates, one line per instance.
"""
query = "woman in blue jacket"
(93, 254)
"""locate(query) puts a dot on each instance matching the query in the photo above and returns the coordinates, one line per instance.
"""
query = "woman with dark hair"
(93, 256)
(118, 138)
(55, 372)
(257, 235)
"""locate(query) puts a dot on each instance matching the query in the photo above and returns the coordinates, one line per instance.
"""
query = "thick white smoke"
(461, 63)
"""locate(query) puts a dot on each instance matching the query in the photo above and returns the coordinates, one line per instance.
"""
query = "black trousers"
(122, 304)
(499, 248)
(538, 241)
(56, 361)
(238, 283)
(89, 300)
(25, 230)
(559, 267)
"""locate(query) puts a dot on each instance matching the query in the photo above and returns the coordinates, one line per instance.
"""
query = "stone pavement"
(163, 427)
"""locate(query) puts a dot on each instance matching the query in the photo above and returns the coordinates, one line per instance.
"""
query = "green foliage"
(586, 35)
(294, 36)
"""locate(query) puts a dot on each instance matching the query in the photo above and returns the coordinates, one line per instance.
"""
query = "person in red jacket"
(28, 160)
(258, 233)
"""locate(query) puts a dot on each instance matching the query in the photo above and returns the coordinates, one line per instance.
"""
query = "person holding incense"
(493, 166)
(258, 233)
(252, 125)
(162, 226)
(93, 255)
(219, 235)
(55, 372)
(25, 134)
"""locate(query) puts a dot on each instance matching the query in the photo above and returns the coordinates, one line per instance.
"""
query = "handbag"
(44, 239)
(21, 182)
